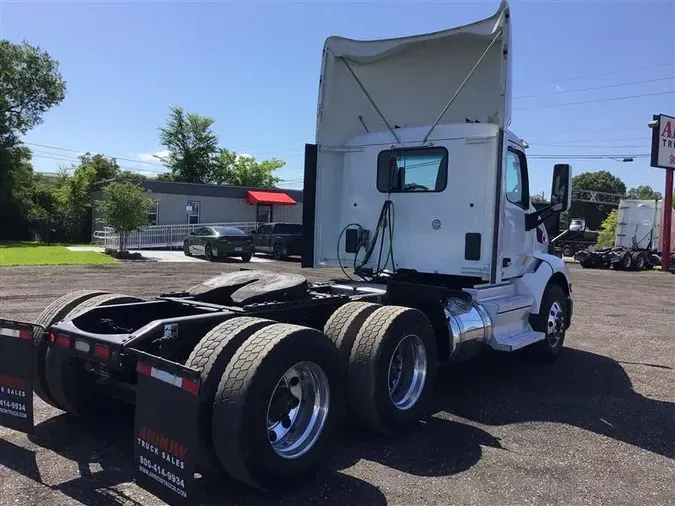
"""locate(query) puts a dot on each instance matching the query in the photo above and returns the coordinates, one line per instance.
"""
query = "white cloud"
(558, 88)
(152, 157)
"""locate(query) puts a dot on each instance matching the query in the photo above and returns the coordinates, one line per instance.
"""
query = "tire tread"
(231, 397)
(50, 315)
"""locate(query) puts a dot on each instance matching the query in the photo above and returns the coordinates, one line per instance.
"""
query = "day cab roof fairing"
(391, 92)
(411, 79)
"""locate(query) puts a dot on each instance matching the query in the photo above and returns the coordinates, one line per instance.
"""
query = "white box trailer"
(639, 225)
(638, 240)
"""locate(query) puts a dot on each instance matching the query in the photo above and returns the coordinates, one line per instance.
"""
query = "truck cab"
(415, 173)
(279, 239)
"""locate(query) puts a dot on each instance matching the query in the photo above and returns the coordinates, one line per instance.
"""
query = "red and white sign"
(663, 143)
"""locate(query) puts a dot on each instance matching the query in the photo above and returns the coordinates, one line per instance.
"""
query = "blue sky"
(254, 66)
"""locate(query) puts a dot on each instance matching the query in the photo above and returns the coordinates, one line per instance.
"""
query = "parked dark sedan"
(214, 242)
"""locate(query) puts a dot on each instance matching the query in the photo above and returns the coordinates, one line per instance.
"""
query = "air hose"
(385, 221)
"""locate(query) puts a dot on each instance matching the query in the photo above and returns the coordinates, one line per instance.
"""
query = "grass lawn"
(27, 253)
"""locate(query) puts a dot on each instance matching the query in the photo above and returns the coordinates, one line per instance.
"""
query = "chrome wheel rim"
(555, 326)
(407, 372)
(297, 410)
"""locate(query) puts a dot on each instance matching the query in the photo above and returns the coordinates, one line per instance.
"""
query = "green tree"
(538, 198)
(30, 85)
(87, 177)
(128, 174)
(603, 181)
(49, 213)
(192, 146)
(643, 193)
(608, 229)
(245, 170)
(125, 208)
(16, 173)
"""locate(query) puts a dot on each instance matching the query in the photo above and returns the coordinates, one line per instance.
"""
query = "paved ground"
(595, 428)
(169, 256)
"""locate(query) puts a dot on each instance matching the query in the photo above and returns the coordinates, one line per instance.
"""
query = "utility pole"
(663, 157)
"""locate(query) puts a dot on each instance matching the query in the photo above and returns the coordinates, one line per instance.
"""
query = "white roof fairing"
(411, 79)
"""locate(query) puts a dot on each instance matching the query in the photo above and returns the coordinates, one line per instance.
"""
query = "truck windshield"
(412, 170)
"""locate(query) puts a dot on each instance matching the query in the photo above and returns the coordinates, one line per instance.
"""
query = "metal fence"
(163, 236)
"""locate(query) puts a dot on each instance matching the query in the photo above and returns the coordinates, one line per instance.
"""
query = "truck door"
(517, 243)
(262, 239)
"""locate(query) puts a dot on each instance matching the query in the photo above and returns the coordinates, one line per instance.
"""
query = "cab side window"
(517, 186)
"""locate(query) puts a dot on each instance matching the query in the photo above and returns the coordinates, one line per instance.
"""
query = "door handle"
(506, 262)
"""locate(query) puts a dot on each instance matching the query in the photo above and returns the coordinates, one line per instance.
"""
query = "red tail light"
(101, 351)
(63, 341)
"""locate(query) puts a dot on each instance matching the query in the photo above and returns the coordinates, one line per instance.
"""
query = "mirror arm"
(533, 220)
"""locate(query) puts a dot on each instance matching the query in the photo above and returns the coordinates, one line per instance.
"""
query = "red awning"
(269, 198)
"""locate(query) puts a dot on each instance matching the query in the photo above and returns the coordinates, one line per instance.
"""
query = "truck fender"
(534, 282)
(546, 269)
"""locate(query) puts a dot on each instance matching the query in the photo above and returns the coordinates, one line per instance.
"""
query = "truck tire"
(279, 252)
(344, 324)
(71, 387)
(277, 406)
(210, 357)
(568, 251)
(551, 321)
(392, 370)
(53, 313)
(625, 262)
(639, 260)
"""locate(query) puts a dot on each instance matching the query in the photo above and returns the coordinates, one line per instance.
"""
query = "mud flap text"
(166, 429)
(17, 370)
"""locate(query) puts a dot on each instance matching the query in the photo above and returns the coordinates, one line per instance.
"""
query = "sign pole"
(667, 220)
(663, 157)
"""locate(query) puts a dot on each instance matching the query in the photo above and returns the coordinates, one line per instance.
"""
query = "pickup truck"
(279, 239)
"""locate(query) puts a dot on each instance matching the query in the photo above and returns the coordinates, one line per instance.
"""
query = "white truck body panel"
(465, 206)
(636, 219)
(410, 81)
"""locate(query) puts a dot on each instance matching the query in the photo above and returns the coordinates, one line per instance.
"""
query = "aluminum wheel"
(555, 327)
(407, 372)
(298, 409)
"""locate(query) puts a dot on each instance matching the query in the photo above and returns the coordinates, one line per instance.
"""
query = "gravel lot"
(596, 427)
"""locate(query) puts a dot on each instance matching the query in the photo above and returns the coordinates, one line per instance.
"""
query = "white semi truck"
(417, 187)
(638, 239)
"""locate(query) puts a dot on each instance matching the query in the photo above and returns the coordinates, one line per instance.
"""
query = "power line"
(616, 85)
(157, 164)
(131, 169)
(576, 146)
(596, 140)
(604, 130)
(612, 99)
(559, 156)
(612, 72)
(80, 151)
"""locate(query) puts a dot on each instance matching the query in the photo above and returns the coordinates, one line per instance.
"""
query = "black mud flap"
(166, 428)
(17, 374)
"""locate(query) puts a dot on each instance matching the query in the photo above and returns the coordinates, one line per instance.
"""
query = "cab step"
(513, 342)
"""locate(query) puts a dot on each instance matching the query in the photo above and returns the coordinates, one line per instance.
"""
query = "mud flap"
(166, 428)
(17, 373)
